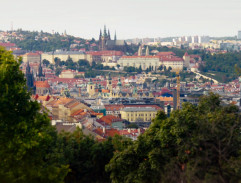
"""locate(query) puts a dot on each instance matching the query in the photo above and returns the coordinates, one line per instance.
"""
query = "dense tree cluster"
(34, 41)
(27, 139)
(222, 65)
(196, 144)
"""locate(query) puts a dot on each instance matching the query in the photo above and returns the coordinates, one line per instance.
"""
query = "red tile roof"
(165, 53)
(8, 44)
(140, 57)
(42, 84)
(170, 58)
(105, 53)
(109, 119)
(108, 132)
(114, 107)
(32, 54)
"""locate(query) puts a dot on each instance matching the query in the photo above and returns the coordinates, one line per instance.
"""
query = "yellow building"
(31, 57)
(138, 114)
(64, 55)
(62, 108)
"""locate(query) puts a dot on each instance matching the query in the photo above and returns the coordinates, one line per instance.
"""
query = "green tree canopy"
(196, 144)
(26, 136)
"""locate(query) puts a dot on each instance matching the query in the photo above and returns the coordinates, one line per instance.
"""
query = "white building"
(70, 74)
(203, 39)
(239, 34)
(154, 62)
(137, 61)
(194, 39)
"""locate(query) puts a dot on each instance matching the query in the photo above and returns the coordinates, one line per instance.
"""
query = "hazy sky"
(130, 18)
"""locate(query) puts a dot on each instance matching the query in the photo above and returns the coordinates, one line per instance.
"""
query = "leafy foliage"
(26, 136)
(43, 41)
(223, 64)
(196, 144)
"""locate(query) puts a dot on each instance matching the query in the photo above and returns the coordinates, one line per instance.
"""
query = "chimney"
(104, 130)
(139, 131)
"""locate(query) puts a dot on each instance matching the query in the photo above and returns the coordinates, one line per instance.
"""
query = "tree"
(139, 70)
(196, 144)
(46, 62)
(57, 62)
(70, 64)
(58, 71)
(160, 68)
(133, 125)
(27, 139)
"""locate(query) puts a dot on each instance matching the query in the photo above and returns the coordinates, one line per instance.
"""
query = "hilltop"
(44, 41)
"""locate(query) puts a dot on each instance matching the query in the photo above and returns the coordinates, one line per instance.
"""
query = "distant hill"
(43, 41)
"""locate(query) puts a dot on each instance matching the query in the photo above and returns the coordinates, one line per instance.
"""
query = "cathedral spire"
(115, 36)
(28, 68)
(109, 34)
(105, 34)
(140, 51)
(147, 51)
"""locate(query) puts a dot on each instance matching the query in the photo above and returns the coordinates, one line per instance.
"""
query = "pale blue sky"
(130, 18)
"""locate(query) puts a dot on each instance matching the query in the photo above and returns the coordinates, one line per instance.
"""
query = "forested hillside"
(43, 41)
(221, 65)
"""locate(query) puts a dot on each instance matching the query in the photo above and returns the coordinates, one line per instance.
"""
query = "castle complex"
(105, 42)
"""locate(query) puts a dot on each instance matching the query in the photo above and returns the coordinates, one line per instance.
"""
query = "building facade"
(138, 114)
(140, 61)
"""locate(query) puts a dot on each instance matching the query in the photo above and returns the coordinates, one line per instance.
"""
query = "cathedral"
(105, 42)
(37, 85)
(30, 79)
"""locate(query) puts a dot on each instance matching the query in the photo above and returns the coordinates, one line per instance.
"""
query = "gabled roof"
(113, 107)
(42, 84)
(109, 119)
(186, 54)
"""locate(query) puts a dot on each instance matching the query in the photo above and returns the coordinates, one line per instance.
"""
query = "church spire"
(28, 68)
(109, 34)
(29, 79)
(40, 71)
(115, 36)
(147, 51)
(140, 51)
(105, 34)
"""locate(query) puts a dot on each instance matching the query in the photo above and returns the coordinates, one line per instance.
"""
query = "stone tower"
(147, 51)
(40, 75)
(30, 79)
(91, 88)
(103, 38)
(109, 83)
(186, 59)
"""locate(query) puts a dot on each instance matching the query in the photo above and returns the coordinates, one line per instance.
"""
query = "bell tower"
(109, 83)
(91, 88)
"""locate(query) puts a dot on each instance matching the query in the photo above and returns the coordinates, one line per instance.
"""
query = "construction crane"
(178, 90)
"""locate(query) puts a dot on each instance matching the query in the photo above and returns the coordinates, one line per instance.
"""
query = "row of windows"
(140, 115)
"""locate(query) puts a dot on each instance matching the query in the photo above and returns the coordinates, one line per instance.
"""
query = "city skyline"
(129, 18)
